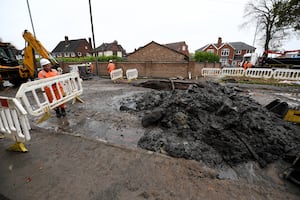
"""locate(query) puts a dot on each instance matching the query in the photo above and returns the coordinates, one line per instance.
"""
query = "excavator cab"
(7, 55)
(9, 65)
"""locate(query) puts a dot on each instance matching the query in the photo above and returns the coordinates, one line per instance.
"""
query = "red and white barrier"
(33, 96)
(14, 123)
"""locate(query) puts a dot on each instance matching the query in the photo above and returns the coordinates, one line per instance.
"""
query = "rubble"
(213, 124)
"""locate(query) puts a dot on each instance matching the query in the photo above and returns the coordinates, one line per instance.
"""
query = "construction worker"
(249, 65)
(48, 72)
(245, 64)
(111, 66)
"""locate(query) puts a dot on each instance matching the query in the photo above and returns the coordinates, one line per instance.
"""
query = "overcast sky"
(133, 23)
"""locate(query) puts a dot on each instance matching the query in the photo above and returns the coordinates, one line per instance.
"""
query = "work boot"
(58, 114)
(63, 112)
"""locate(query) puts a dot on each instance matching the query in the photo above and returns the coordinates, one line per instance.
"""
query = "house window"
(225, 52)
(72, 54)
(249, 51)
(53, 55)
(59, 55)
(108, 53)
(119, 54)
(86, 47)
(224, 61)
(238, 52)
(66, 54)
(210, 50)
(79, 54)
(183, 48)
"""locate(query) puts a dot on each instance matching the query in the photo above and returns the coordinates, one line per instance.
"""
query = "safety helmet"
(44, 61)
(110, 60)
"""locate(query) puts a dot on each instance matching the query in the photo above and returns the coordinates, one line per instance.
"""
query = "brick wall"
(154, 69)
(156, 52)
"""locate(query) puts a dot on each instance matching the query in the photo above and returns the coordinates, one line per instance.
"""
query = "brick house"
(72, 48)
(231, 53)
(180, 47)
(109, 49)
(158, 53)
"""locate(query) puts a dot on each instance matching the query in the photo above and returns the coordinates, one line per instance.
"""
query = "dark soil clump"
(212, 123)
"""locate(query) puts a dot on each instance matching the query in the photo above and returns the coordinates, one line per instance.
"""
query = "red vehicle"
(275, 59)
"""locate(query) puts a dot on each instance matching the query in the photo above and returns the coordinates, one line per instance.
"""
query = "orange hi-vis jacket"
(111, 67)
(51, 73)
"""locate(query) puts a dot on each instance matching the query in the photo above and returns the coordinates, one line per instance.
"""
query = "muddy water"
(99, 117)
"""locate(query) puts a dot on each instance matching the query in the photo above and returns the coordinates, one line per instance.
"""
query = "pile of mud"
(212, 123)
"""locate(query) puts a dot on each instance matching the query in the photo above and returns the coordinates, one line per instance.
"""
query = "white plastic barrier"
(211, 72)
(131, 74)
(116, 74)
(73, 68)
(288, 74)
(33, 95)
(13, 120)
(232, 71)
(259, 73)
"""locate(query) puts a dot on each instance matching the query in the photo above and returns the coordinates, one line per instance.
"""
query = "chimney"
(66, 38)
(219, 41)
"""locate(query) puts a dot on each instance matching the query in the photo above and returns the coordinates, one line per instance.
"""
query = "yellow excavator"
(11, 70)
(282, 109)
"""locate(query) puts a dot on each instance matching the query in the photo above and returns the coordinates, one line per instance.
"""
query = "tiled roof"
(235, 45)
(69, 45)
(114, 46)
(241, 46)
(164, 46)
(178, 47)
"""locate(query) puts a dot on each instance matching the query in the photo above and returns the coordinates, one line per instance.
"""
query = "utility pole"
(31, 18)
(92, 25)
(93, 36)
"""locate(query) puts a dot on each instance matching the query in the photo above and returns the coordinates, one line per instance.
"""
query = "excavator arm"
(33, 45)
(11, 70)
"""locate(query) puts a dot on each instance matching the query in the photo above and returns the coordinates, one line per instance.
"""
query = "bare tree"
(289, 12)
(267, 15)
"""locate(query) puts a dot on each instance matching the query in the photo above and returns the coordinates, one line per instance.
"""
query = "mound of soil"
(212, 123)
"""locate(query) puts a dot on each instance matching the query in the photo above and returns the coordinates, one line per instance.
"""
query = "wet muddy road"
(100, 116)
(59, 165)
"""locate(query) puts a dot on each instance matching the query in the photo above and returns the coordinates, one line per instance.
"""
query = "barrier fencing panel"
(131, 74)
(259, 73)
(13, 120)
(211, 72)
(232, 71)
(287, 74)
(34, 98)
(116, 74)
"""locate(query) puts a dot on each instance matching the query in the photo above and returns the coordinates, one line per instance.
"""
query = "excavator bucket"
(282, 110)
(278, 107)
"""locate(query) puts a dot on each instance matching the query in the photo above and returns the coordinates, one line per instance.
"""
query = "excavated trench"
(211, 123)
